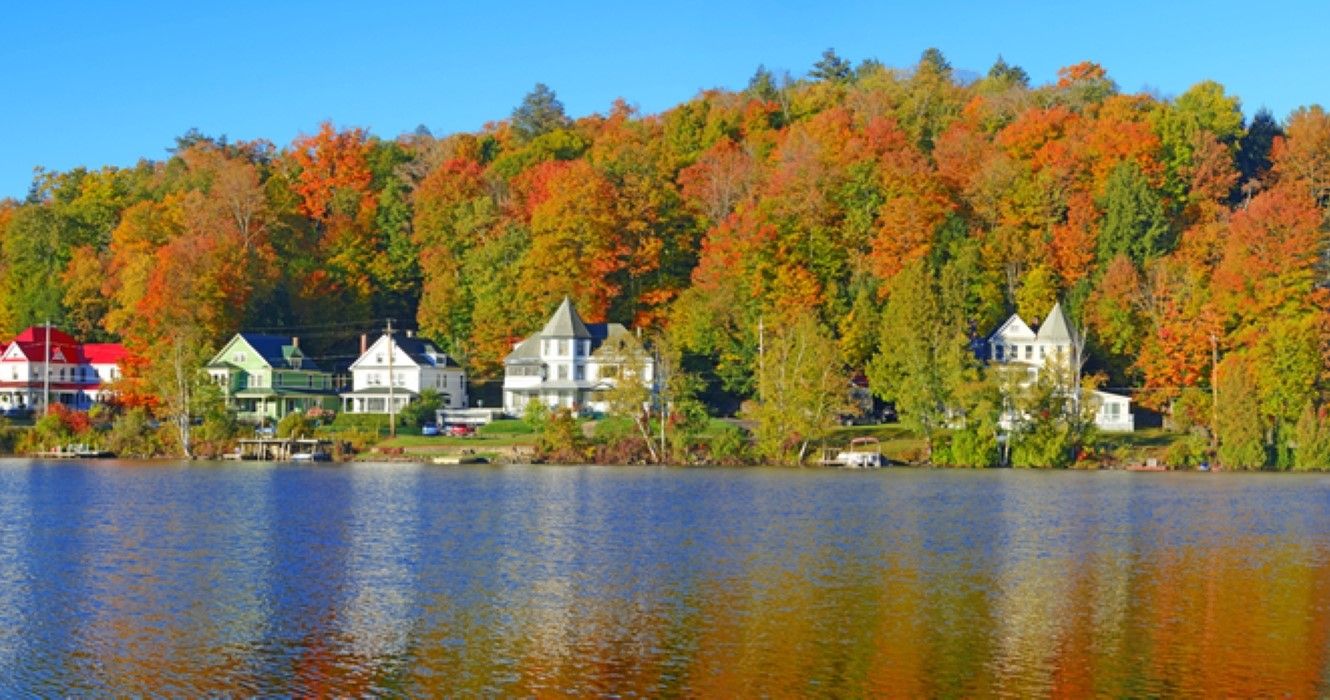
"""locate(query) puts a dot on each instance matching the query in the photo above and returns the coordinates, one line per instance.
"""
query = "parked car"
(461, 430)
(429, 430)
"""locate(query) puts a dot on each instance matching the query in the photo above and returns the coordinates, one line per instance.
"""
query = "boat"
(310, 451)
(459, 459)
(76, 451)
(862, 453)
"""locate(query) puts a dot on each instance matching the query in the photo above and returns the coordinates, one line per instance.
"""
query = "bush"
(294, 425)
(728, 445)
(132, 435)
(561, 438)
(423, 410)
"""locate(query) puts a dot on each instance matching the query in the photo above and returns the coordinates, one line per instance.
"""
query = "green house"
(265, 377)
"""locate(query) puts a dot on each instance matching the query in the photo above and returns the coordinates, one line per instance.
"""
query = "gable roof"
(420, 351)
(1055, 328)
(565, 323)
(278, 351)
(1013, 327)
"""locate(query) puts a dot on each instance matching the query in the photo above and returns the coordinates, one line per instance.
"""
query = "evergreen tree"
(1135, 223)
(831, 68)
(540, 113)
(924, 357)
(1253, 158)
(762, 85)
(1007, 74)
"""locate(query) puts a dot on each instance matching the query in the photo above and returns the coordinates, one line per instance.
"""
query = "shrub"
(294, 424)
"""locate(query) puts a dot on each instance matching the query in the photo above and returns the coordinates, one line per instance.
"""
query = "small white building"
(401, 368)
(570, 364)
(1015, 346)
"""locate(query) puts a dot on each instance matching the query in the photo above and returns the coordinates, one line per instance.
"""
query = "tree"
(923, 357)
(1135, 224)
(1253, 159)
(624, 358)
(539, 113)
(831, 68)
(1008, 75)
(424, 409)
(802, 390)
(1052, 424)
(1312, 439)
(762, 85)
(1239, 427)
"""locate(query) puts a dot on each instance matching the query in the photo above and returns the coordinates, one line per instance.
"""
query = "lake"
(122, 579)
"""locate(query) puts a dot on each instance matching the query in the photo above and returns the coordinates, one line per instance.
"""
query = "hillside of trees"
(902, 212)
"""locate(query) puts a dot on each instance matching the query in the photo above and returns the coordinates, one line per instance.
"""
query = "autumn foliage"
(1174, 230)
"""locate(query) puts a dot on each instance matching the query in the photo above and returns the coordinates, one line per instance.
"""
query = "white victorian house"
(1014, 345)
(570, 364)
(401, 368)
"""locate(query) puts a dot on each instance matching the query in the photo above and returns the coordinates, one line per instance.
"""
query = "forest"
(868, 219)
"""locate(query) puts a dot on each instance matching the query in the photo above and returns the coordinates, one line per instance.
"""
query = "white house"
(416, 365)
(570, 363)
(1015, 346)
(42, 359)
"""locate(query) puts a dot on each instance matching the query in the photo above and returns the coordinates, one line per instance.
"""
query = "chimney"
(295, 342)
(364, 343)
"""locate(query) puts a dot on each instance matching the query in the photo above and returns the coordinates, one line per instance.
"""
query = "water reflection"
(235, 580)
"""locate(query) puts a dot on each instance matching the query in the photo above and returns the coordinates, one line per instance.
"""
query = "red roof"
(103, 353)
(32, 343)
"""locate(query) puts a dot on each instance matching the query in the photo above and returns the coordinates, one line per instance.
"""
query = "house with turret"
(1016, 347)
(571, 364)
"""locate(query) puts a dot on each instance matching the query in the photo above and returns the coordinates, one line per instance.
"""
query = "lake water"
(243, 579)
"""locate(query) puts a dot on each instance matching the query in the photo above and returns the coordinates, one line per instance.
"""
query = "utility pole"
(46, 370)
(392, 409)
(1214, 395)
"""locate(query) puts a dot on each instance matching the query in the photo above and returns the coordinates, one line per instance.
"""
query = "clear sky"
(107, 83)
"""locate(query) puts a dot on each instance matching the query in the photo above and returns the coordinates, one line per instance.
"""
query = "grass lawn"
(477, 442)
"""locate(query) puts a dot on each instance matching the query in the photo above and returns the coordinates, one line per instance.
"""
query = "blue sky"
(107, 83)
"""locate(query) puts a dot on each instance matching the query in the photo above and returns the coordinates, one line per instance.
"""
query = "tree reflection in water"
(130, 579)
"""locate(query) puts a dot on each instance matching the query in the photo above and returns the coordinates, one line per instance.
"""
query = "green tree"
(802, 390)
(831, 68)
(923, 357)
(1053, 421)
(424, 409)
(1135, 224)
(626, 361)
(1007, 75)
(540, 113)
(762, 85)
(1312, 440)
(1240, 429)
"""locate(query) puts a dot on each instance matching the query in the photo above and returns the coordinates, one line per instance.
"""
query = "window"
(1041, 352)
(238, 358)
(582, 347)
(563, 371)
(563, 348)
(399, 379)
(997, 352)
(579, 373)
(378, 359)
(1029, 352)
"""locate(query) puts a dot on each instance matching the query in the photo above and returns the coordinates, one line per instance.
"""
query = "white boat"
(309, 451)
(863, 453)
